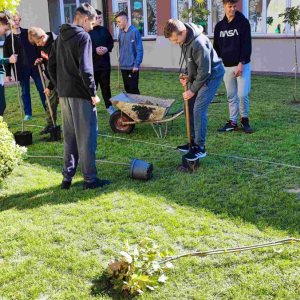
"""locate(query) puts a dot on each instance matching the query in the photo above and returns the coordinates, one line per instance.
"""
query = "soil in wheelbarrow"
(143, 112)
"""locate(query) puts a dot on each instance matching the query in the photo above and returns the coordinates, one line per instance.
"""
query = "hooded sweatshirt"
(70, 65)
(26, 54)
(232, 41)
(131, 48)
(43, 52)
(201, 59)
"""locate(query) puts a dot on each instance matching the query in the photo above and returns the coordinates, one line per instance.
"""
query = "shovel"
(190, 166)
(55, 133)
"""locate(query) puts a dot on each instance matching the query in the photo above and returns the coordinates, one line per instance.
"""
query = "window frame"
(115, 8)
(62, 11)
(174, 8)
(289, 32)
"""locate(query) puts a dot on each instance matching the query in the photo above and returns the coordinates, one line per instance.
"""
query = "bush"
(11, 154)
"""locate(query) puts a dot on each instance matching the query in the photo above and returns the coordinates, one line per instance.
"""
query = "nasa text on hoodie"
(232, 40)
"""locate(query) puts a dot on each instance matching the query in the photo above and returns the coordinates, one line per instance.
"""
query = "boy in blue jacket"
(4, 28)
(131, 53)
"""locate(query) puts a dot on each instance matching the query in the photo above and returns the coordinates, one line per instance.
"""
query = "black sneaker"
(96, 184)
(229, 126)
(245, 125)
(185, 148)
(195, 153)
(65, 185)
(46, 130)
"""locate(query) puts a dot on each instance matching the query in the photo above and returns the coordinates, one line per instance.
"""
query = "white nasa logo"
(228, 33)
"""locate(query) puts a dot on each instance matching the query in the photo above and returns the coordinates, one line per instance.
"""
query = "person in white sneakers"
(232, 42)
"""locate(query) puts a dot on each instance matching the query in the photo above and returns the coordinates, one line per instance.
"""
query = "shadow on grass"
(102, 286)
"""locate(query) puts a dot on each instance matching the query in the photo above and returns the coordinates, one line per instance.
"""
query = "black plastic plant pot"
(23, 138)
(55, 134)
(140, 170)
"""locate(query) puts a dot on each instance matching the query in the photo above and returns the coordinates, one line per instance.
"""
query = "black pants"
(131, 81)
(103, 78)
(2, 100)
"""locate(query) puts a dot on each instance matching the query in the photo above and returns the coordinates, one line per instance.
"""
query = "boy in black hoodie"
(232, 42)
(44, 42)
(102, 43)
(70, 68)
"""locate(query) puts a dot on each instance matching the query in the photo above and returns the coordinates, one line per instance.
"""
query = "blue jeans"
(198, 107)
(25, 85)
(238, 89)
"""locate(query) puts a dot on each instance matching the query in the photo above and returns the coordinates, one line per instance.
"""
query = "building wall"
(34, 13)
(268, 54)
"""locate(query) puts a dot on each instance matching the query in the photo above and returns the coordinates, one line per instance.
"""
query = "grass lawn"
(54, 244)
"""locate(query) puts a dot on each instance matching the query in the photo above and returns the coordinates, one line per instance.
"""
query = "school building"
(272, 40)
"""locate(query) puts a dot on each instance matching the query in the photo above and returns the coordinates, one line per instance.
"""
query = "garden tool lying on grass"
(188, 166)
(139, 169)
(55, 132)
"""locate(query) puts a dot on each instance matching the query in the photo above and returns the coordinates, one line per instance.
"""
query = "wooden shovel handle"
(187, 112)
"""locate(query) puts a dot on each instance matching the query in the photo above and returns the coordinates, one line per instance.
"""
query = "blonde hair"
(35, 33)
(173, 25)
(17, 14)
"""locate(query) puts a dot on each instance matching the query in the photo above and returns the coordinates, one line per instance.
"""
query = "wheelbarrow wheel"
(116, 125)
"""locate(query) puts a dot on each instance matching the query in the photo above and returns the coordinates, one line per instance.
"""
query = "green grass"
(55, 244)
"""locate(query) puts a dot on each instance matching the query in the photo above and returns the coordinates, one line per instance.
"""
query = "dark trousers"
(103, 79)
(25, 85)
(54, 100)
(131, 81)
(2, 100)
(79, 120)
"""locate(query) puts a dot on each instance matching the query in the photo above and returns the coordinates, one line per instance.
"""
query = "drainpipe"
(105, 14)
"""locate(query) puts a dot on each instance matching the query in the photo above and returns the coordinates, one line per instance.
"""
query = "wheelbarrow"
(140, 109)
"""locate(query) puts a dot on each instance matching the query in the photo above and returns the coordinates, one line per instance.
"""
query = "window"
(264, 19)
(68, 8)
(141, 13)
(214, 6)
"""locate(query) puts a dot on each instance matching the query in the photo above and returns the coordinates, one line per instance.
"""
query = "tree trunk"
(296, 65)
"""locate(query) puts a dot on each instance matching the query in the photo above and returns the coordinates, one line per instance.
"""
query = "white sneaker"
(110, 110)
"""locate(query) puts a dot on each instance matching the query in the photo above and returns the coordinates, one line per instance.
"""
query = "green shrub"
(10, 153)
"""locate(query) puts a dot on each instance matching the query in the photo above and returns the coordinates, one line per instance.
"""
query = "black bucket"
(140, 170)
(23, 138)
(55, 134)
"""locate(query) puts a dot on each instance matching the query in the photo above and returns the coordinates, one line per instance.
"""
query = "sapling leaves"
(139, 269)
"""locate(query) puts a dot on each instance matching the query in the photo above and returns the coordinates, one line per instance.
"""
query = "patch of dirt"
(291, 102)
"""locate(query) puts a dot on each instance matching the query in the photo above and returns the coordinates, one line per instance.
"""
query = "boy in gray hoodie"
(205, 71)
(131, 53)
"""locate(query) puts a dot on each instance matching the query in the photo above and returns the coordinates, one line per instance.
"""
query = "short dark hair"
(122, 14)
(6, 19)
(85, 10)
(230, 1)
(99, 13)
